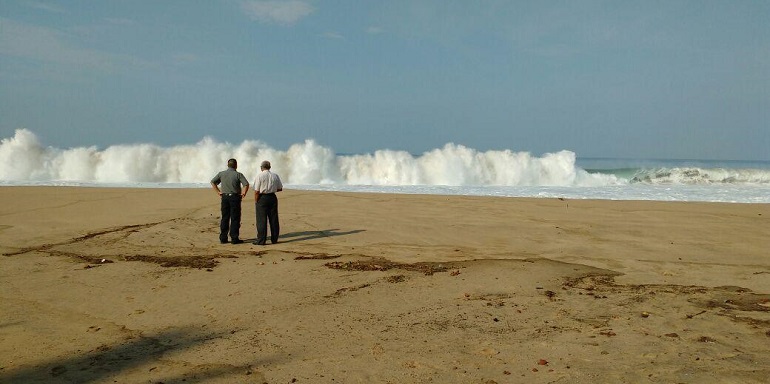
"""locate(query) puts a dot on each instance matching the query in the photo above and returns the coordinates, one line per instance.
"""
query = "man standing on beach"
(231, 195)
(266, 185)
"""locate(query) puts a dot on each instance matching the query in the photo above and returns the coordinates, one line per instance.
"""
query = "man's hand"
(216, 189)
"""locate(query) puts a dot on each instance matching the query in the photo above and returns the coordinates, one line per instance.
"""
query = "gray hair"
(265, 165)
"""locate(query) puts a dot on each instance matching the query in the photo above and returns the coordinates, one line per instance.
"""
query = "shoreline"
(697, 193)
(371, 287)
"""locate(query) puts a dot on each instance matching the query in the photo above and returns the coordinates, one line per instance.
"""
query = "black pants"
(267, 211)
(231, 217)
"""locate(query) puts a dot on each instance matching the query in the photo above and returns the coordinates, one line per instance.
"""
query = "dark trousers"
(267, 211)
(231, 217)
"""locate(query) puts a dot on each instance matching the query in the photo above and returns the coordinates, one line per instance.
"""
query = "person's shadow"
(310, 235)
(111, 360)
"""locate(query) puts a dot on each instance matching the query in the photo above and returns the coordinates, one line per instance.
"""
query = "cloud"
(120, 21)
(374, 30)
(49, 45)
(184, 58)
(44, 7)
(333, 35)
(279, 12)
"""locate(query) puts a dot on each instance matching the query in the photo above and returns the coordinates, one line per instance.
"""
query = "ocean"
(450, 170)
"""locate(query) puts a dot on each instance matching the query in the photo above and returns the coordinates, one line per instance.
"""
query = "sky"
(666, 79)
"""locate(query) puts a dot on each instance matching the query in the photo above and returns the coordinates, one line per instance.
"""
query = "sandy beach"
(102, 285)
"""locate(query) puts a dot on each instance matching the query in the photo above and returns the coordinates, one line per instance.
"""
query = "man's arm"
(257, 186)
(216, 188)
(245, 183)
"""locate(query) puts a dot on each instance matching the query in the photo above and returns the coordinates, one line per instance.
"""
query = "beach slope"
(106, 285)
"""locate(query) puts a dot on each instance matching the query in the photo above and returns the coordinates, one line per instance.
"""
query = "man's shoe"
(237, 241)
(222, 241)
(259, 243)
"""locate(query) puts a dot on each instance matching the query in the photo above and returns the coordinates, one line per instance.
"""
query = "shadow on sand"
(310, 235)
(134, 357)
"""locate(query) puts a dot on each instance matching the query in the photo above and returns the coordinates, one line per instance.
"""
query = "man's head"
(265, 165)
(232, 163)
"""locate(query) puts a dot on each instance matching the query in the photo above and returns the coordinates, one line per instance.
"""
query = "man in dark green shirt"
(231, 193)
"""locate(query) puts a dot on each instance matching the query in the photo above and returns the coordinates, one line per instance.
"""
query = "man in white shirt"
(266, 185)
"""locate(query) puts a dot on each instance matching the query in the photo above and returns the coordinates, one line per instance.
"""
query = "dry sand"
(103, 285)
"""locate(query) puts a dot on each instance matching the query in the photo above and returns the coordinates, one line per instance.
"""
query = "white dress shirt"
(267, 182)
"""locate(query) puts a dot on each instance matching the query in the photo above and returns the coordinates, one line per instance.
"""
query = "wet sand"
(106, 285)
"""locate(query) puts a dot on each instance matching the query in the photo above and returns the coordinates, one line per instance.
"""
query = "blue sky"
(633, 79)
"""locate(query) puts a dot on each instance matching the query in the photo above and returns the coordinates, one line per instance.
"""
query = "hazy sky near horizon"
(633, 79)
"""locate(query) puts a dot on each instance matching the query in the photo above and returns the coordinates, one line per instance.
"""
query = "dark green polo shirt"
(230, 180)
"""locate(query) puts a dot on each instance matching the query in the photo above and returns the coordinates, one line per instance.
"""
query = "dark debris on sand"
(317, 256)
(735, 303)
(380, 264)
(200, 262)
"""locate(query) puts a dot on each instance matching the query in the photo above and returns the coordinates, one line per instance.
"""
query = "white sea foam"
(697, 175)
(450, 170)
(25, 159)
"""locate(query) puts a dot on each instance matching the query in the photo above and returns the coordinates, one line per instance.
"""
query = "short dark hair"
(232, 163)
(265, 164)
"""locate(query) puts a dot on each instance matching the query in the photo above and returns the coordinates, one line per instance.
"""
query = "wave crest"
(23, 158)
(696, 176)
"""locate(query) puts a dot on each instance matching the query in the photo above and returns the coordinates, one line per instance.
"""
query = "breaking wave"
(24, 159)
(696, 175)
